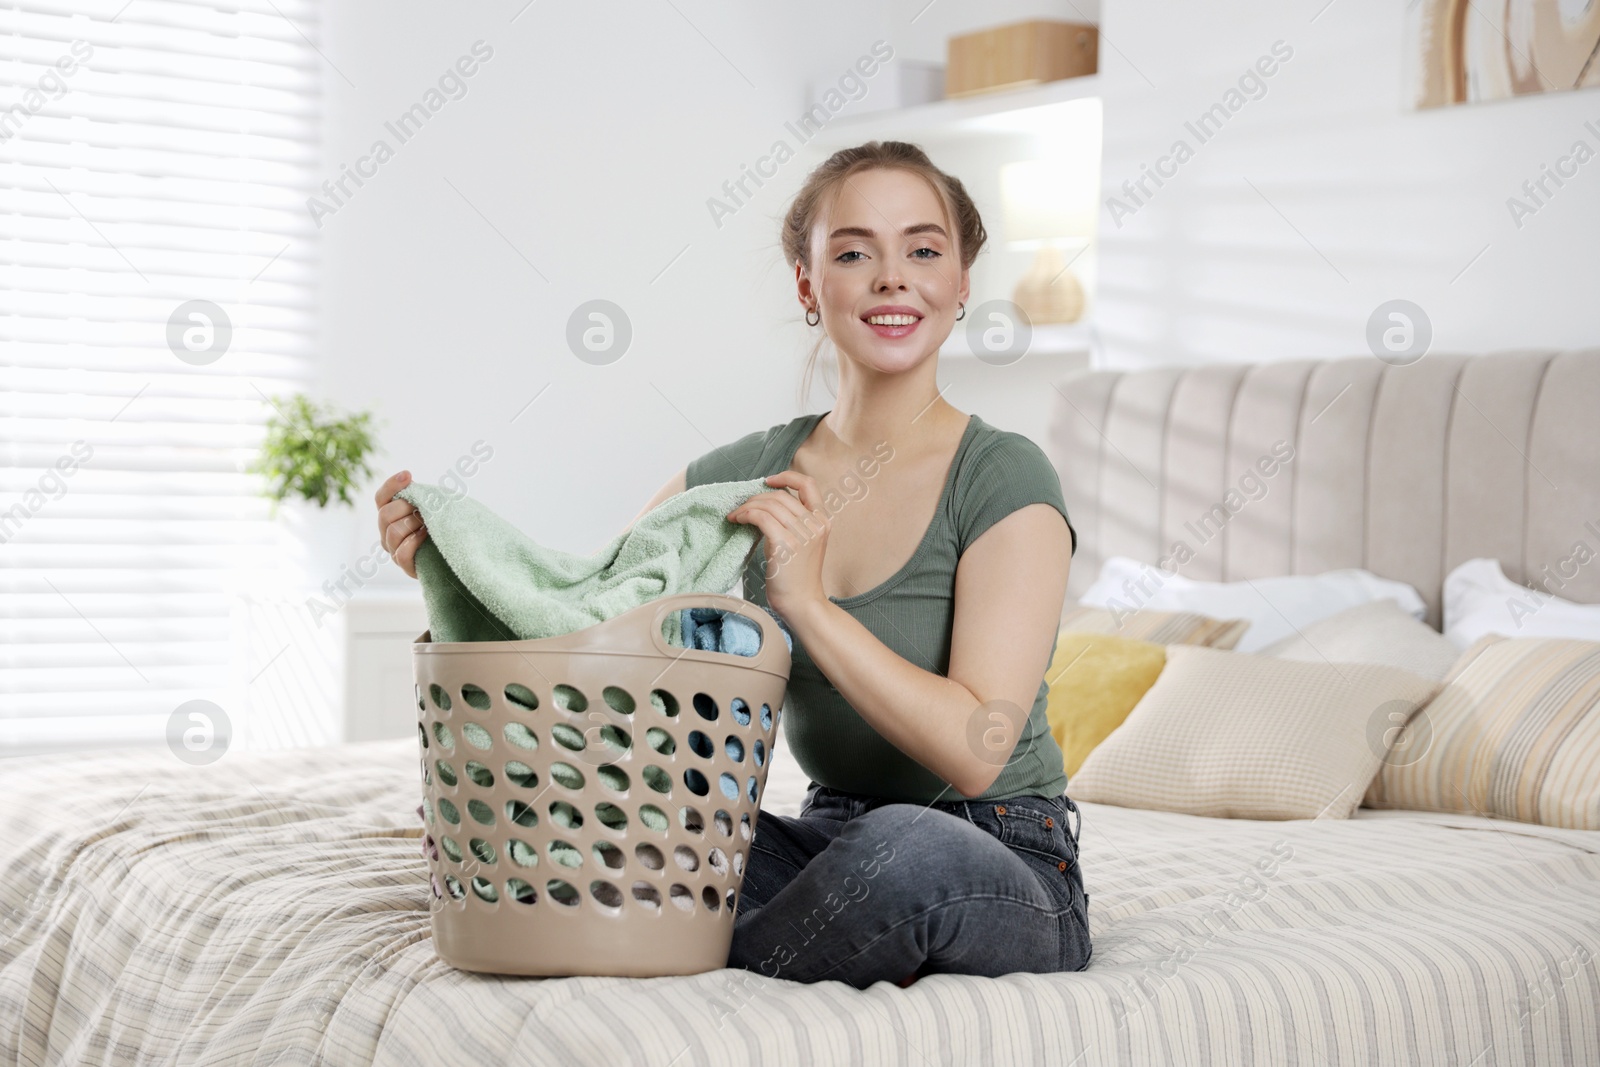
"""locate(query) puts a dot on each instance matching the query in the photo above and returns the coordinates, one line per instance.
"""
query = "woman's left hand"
(796, 530)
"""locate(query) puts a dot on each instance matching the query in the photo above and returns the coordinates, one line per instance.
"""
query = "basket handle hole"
(719, 630)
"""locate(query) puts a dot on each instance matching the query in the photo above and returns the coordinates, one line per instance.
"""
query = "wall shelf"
(1014, 111)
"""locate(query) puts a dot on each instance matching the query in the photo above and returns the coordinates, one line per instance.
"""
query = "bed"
(273, 908)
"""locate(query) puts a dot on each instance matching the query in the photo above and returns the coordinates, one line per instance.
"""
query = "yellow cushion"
(1095, 680)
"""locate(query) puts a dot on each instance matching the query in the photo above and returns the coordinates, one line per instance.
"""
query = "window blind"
(158, 265)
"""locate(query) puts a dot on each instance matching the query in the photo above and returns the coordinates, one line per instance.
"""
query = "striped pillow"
(1156, 627)
(1514, 734)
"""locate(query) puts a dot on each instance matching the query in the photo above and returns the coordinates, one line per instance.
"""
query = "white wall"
(576, 167)
(579, 164)
(1327, 196)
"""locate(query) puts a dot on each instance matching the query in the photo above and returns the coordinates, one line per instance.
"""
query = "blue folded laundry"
(716, 630)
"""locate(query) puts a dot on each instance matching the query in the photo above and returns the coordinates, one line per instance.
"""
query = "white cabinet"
(309, 671)
(379, 698)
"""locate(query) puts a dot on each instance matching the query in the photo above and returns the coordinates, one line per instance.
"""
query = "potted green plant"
(312, 458)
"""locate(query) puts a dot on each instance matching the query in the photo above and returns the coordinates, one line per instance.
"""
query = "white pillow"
(1379, 632)
(1479, 599)
(1276, 606)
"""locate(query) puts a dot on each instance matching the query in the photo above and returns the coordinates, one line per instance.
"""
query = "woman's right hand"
(400, 529)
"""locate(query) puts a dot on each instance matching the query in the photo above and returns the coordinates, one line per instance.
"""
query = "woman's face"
(884, 243)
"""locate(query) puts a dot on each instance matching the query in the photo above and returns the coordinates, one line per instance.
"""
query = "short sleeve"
(731, 462)
(1008, 473)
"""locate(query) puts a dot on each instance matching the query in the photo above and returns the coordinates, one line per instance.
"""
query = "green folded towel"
(484, 580)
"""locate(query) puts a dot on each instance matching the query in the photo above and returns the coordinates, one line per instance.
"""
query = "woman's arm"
(675, 485)
(678, 483)
(1010, 585)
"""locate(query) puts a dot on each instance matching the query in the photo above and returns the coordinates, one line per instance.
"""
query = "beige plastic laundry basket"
(589, 799)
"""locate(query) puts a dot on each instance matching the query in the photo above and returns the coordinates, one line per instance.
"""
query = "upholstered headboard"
(1405, 471)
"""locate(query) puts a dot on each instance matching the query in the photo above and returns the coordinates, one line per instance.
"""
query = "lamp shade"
(1048, 200)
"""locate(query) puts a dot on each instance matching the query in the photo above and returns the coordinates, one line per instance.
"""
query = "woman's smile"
(893, 331)
(891, 320)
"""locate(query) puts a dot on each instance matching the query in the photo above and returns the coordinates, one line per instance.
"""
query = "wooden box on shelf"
(1021, 54)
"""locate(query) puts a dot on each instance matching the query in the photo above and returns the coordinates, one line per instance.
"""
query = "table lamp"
(1049, 204)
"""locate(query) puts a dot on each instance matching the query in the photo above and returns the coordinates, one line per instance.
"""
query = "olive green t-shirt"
(994, 473)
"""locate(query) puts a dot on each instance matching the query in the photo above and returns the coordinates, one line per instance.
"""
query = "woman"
(919, 557)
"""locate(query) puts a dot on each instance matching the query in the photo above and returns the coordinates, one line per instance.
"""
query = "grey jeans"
(859, 889)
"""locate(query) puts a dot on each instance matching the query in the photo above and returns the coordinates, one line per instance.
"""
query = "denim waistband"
(855, 804)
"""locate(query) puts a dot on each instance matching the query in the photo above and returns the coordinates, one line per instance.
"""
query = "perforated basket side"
(589, 807)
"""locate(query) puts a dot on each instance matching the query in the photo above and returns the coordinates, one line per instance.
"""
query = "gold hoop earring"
(809, 320)
(963, 313)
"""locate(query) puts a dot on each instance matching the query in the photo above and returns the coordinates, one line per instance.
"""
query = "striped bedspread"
(272, 909)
